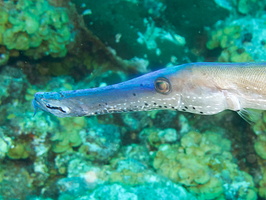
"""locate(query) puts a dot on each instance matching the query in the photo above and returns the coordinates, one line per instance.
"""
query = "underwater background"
(58, 45)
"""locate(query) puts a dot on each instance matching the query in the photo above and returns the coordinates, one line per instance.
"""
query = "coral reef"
(242, 6)
(262, 185)
(31, 30)
(13, 84)
(5, 144)
(35, 28)
(155, 191)
(260, 145)
(101, 142)
(241, 36)
(14, 182)
(241, 39)
(125, 171)
(69, 137)
(80, 143)
(156, 137)
(204, 165)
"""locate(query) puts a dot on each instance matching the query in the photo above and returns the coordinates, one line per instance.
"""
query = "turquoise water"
(68, 45)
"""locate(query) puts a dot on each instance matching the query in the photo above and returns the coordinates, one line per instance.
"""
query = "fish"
(204, 88)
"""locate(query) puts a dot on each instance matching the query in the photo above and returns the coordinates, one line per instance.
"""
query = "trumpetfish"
(202, 88)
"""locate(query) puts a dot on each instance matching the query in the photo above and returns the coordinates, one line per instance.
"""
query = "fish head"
(52, 102)
(153, 91)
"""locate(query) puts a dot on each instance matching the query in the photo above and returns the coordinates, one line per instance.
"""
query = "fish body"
(201, 88)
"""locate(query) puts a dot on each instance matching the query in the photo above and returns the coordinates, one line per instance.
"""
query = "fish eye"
(162, 85)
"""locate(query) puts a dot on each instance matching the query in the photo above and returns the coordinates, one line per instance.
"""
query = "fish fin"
(250, 115)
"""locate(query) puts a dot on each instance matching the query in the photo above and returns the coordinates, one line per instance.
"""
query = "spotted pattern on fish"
(201, 88)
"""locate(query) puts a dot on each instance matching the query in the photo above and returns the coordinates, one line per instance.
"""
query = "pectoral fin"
(250, 115)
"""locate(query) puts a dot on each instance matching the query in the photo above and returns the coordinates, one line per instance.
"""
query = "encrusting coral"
(35, 28)
(241, 40)
(204, 165)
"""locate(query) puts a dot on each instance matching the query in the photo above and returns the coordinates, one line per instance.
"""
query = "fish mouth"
(37, 104)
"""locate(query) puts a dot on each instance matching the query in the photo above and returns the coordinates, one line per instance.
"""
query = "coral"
(204, 165)
(167, 190)
(135, 121)
(35, 28)
(4, 55)
(15, 182)
(242, 6)
(3, 148)
(18, 151)
(64, 141)
(87, 180)
(260, 146)
(72, 187)
(69, 136)
(235, 54)
(154, 34)
(115, 191)
(259, 127)
(16, 121)
(156, 137)
(129, 172)
(136, 154)
(241, 40)
(5, 143)
(13, 84)
(262, 185)
(100, 142)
